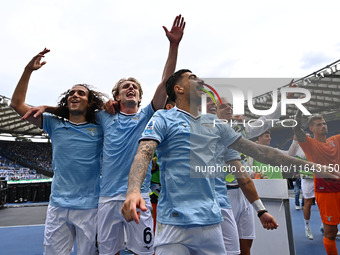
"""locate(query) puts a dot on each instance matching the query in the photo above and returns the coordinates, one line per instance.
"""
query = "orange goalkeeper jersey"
(328, 154)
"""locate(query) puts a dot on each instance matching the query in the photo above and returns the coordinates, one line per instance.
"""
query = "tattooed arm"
(298, 131)
(264, 154)
(244, 181)
(274, 157)
(248, 189)
(139, 168)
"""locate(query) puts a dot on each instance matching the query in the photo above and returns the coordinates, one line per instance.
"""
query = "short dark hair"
(95, 102)
(169, 101)
(172, 81)
(265, 132)
(313, 118)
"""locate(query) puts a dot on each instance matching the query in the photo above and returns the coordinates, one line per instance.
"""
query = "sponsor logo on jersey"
(149, 127)
(148, 247)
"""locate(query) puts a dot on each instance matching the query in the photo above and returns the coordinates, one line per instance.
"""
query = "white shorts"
(111, 226)
(307, 186)
(229, 230)
(205, 240)
(243, 213)
(64, 225)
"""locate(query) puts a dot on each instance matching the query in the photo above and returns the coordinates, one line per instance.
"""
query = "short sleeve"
(231, 154)
(99, 116)
(148, 110)
(155, 129)
(229, 136)
(47, 123)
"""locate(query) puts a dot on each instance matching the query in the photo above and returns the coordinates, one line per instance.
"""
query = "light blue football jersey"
(187, 148)
(225, 154)
(76, 153)
(121, 134)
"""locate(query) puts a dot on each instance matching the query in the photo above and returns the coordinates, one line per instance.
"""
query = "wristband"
(261, 213)
(258, 206)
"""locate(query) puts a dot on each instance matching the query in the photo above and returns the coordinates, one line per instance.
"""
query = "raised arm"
(139, 168)
(274, 157)
(175, 37)
(19, 96)
(298, 131)
(36, 111)
(294, 147)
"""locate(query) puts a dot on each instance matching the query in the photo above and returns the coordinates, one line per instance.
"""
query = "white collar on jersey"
(180, 110)
(78, 124)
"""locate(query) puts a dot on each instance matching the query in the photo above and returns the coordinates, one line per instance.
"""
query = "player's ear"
(117, 98)
(178, 89)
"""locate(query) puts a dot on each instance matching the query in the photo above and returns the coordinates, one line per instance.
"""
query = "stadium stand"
(35, 156)
(324, 86)
(22, 165)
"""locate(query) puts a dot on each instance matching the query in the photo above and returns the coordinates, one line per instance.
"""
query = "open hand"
(35, 63)
(176, 32)
(35, 112)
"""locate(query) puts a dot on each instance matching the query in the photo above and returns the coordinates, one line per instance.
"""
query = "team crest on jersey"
(149, 127)
(92, 131)
(329, 218)
(208, 125)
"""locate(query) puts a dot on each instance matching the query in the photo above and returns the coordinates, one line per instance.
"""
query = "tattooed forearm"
(139, 167)
(248, 189)
(241, 182)
(245, 182)
(298, 131)
(274, 157)
(265, 154)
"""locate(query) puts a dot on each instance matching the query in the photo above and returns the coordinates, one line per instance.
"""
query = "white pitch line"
(22, 226)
